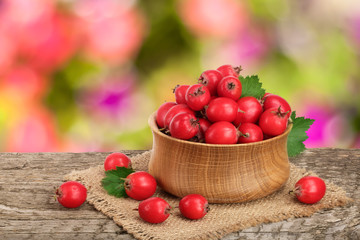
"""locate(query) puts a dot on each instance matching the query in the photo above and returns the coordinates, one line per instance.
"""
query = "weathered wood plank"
(28, 211)
(68, 235)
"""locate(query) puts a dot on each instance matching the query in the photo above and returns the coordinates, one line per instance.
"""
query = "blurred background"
(84, 75)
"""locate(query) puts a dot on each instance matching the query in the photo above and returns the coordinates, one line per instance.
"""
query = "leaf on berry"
(113, 183)
(298, 135)
(251, 86)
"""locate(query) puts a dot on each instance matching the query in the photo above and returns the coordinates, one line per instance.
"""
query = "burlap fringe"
(220, 221)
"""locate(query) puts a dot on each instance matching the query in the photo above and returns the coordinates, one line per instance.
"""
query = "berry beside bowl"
(222, 173)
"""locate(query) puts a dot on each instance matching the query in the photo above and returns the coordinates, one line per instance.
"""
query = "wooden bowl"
(221, 173)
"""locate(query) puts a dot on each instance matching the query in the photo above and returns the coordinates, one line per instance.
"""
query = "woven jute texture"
(221, 219)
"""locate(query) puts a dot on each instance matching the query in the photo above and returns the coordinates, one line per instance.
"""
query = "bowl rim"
(155, 128)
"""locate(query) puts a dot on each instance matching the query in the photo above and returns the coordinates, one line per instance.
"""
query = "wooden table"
(29, 211)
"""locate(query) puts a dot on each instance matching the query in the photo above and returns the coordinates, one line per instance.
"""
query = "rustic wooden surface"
(29, 211)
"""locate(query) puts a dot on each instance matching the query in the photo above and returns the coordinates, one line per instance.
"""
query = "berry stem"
(207, 208)
(168, 210)
(238, 69)
(231, 85)
(175, 88)
(198, 92)
(295, 191)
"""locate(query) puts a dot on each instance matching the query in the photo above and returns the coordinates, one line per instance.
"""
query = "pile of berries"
(141, 186)
(138, 185)
(213, 111)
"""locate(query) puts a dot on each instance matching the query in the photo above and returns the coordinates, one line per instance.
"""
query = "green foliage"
(134, 139)
(251, 86)
(61, 98)
(298, 135)
(268, 10)
(79, 71)
(281, 75)
(168, 38)
(356, 122)
(114, 181)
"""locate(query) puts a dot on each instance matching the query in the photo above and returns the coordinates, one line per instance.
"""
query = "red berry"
(180, 92)
(116, 160)
(228, 70)
(154, 210)
(222, 109)
(161, 113)
(273, 122)
(179, 108)
(204, 125)
(71, 194)
(210, 79)
(184, 126)
(229, 87)
(197, 96)
(265, 95)
(193, 206)
(140, 185)
(275, 101)
(310, 189)
(221, 133)
(250, 110)
(250, 132)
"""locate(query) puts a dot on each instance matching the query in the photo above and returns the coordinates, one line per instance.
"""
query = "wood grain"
(229, 173)
(28, 211)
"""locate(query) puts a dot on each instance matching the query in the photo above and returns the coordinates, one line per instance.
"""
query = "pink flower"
(50, 44)
(34, 132)
(113, 30)
(213, 18)
(247, 48)
(7, 52)
(20, 13)
(354, 29)
(24, 84)
(111, 99)
(330, 129)
(43, 38)
(316, 131)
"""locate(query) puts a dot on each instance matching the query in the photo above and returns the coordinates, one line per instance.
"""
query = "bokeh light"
(84, 75)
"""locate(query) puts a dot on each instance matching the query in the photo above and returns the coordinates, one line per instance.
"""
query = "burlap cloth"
(221, 219)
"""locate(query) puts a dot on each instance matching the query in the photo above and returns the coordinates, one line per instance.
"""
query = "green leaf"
(113, 183)
(298, 135)
(251, 86)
